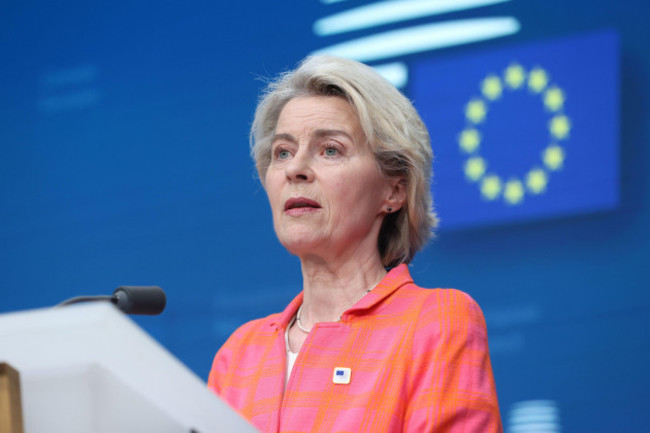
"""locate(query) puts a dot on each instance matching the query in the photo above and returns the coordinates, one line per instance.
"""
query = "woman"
(346, 163)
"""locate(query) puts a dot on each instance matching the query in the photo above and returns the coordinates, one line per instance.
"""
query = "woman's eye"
(331, 151)
(283, 154)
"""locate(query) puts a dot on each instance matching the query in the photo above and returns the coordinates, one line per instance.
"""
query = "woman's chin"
(301, 245)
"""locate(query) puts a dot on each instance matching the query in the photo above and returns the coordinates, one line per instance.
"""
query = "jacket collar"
(394, 279)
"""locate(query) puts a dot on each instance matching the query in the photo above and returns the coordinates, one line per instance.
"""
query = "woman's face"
(324, 186)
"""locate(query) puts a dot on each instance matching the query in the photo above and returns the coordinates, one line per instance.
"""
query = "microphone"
(147, 300)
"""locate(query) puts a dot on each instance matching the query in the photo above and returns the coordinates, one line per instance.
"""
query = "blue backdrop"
(123, 130)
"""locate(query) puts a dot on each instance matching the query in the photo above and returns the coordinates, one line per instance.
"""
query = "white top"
(291, 356)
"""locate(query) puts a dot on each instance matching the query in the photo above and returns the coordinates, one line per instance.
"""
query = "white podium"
(90, 369)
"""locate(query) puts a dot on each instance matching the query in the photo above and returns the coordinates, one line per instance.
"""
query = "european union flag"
(525, 132)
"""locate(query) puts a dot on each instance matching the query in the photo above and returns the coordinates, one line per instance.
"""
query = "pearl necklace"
(307, 331)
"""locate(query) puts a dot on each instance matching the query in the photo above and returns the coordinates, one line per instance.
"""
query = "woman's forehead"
(319, 116)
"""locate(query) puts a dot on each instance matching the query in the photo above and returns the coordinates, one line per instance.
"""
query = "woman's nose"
(299, 169)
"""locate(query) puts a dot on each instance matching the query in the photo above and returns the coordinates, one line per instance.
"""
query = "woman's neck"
(332, 288)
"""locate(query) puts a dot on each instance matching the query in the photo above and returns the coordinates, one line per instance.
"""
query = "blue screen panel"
(525, 132)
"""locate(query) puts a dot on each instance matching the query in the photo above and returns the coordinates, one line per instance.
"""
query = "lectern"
(91, 369)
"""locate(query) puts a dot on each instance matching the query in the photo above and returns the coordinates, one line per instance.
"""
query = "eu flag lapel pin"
(341, 375)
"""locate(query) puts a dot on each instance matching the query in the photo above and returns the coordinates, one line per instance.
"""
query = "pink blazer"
(415, 360)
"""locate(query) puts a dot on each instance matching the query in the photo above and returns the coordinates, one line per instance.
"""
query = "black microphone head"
(149, 300)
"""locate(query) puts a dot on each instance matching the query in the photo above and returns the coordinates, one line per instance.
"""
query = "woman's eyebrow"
(287, 137)
(319, 133)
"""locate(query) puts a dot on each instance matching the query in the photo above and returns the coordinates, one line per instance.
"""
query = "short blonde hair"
(396, 134)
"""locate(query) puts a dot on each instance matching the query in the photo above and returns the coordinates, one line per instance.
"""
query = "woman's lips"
(300, 205)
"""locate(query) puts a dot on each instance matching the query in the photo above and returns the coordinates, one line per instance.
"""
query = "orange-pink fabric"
(418, 357)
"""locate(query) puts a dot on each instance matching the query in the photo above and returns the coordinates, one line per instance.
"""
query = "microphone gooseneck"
(147, 300)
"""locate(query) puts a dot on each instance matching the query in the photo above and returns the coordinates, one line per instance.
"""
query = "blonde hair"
(394, 130)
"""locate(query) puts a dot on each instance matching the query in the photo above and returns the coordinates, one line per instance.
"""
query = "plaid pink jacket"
(419, 362)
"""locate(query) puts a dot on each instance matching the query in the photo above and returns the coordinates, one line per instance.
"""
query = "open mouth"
(300, 202)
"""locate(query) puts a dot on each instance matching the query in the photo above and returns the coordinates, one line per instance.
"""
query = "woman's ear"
(397, 195)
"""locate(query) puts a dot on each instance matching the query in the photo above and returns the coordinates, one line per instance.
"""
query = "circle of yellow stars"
(514, 78)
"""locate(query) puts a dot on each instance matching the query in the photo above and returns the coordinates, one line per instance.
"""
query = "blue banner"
(525, 132)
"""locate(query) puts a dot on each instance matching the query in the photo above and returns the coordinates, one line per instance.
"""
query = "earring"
(390, 209)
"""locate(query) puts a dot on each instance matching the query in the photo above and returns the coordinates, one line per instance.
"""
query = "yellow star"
(536, 181)
(491, 187)
(537, 80)
(469, 140)
(475, 168)
(515, 76)
(554, 98)
(559, 126)
(513, 192)
(491, 87)
(476, 110)
(553, 157)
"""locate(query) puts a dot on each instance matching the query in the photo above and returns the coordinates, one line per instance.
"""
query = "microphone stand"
(77, 299)
(147, 300)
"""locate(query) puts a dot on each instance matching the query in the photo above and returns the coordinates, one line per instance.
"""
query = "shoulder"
(252, 336)
(446, 314)
(452, 302)
(442, 302)
(254, 330)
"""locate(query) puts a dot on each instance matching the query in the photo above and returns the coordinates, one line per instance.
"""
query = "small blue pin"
(342, 375)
